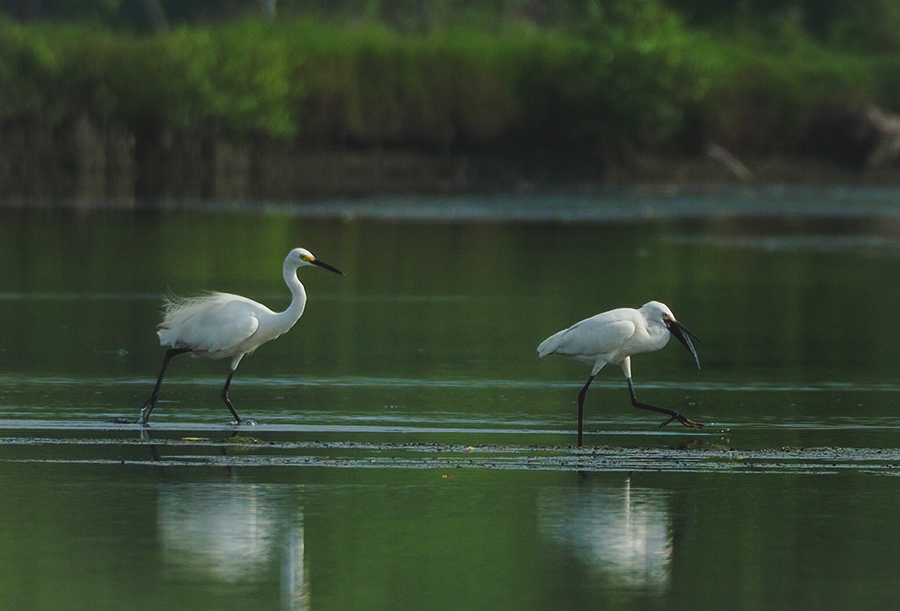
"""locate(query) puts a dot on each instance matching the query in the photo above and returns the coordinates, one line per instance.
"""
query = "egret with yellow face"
(225, 326)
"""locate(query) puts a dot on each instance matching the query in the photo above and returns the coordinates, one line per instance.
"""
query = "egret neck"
(298, 302)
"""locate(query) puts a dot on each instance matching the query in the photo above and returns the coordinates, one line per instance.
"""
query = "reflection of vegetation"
(459, 301)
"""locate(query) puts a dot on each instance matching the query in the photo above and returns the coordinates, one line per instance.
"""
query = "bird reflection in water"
(234, 533)
(623, 532)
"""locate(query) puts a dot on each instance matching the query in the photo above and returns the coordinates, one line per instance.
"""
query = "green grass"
(608, 84)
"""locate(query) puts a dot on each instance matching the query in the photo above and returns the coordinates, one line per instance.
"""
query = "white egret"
(225, 326)
(613, 337)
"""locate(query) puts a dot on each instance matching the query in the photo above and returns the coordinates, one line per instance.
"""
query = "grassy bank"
(641, 82)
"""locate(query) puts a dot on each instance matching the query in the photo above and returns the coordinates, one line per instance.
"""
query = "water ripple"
(10, 380)
(800, 243)
(248, 452)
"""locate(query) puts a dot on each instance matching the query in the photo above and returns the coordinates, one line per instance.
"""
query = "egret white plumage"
(613, 337)
(226, 326)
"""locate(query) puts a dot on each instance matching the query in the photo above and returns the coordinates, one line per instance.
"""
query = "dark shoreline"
(82, 161)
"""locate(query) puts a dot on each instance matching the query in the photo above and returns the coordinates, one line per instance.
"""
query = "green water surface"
(412, 452)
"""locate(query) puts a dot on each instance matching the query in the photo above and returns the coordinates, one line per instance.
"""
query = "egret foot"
(145, 412)
(683, 420)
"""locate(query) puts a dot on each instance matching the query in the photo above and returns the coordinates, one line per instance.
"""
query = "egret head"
(300, 257)
(660, 313)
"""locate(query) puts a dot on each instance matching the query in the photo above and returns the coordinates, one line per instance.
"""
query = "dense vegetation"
(436, 74)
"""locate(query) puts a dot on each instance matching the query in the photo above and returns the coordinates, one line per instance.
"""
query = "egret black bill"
(684, 335)
(330, 268)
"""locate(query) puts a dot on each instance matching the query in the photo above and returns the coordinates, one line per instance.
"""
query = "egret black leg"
(581, 408)
(151, 402)
(237, 419)
(673, 415)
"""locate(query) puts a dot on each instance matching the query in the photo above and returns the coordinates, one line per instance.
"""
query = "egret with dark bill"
(613, 338)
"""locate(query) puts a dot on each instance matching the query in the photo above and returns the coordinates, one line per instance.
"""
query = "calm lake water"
(412, 451)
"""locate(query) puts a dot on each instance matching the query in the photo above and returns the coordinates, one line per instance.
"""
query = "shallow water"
(411, 449)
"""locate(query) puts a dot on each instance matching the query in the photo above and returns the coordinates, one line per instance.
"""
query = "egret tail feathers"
(211, 329)
(176, 309)
(551, 344)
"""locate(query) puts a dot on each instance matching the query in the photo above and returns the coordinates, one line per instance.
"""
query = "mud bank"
(84, 160)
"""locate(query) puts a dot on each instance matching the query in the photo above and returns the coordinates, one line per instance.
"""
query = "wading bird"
(613, 337)
(225, 326)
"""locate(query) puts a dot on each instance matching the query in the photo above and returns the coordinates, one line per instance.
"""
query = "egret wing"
(220, 327)
(589, 338)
